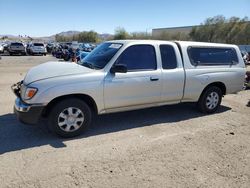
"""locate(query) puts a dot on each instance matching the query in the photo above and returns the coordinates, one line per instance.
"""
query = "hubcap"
(70, 119)
(212, 100)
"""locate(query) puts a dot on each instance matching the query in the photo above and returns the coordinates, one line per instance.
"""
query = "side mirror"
(119, 68)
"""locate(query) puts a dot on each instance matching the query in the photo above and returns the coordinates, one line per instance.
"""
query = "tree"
(4, 37)
(121, 33)
(140, 35)
(173, 36)
(219, 29)
(84, 36)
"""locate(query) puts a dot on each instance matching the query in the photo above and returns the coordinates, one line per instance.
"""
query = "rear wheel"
(210, 100)
(70, 117)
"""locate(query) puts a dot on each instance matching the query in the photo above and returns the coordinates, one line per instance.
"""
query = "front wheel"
(210, 100)
(70, 117)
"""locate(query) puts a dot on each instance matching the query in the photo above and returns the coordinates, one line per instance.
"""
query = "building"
(172, 30)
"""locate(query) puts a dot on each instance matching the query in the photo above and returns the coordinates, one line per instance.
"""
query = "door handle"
(154, 79)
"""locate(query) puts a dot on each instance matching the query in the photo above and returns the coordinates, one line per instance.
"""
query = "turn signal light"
(30, 92)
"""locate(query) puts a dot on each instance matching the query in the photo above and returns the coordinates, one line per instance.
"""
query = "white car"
(1, 48)
(36, 48)
(127, 75)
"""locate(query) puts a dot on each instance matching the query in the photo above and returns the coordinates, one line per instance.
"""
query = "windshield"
(101, 55)
(16, 44)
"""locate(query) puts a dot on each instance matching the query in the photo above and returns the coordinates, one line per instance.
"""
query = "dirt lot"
(172, 146)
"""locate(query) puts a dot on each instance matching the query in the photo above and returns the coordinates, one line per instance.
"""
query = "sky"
(38, 18)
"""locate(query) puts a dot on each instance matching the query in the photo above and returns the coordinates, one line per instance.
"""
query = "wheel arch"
(220, 85)
(86, 98)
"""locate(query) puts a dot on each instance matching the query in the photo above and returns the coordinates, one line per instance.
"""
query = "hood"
(54, 69)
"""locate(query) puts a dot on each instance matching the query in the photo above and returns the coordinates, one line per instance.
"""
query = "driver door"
(140, 85)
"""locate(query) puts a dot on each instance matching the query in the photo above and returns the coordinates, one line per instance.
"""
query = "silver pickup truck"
(128, 75)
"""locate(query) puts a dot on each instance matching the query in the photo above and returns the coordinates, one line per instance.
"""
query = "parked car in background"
(49, 47)
(127, 75)
(57, 51)
(74, 46)
(92, 46)
(1, 48)
(247, 81)
(246, 57)
(16, 48)
(36, 48)
(5, 46)
(65, 45)
(85, 47)
(67, 54)
(80, 55)
(28, 48)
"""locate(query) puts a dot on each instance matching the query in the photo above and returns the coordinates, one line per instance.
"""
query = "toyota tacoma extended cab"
(127, 75)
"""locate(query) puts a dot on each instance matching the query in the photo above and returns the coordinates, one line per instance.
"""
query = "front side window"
(168, 57)
(212, 56)
(138, 58)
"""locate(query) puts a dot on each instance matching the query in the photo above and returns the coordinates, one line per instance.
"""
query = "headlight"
(30, 92)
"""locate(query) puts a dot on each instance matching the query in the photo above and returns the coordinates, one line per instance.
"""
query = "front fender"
(49, 90)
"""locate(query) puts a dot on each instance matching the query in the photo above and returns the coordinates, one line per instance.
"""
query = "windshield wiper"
(90, 65)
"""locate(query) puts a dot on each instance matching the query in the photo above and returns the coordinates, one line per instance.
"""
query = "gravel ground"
(171, 146)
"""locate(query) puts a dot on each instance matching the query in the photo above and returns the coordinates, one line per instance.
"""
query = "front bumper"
(26, 113)
(17, 51)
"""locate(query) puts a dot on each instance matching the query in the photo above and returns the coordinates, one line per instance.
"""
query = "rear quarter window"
(168, 57)
(212, 56)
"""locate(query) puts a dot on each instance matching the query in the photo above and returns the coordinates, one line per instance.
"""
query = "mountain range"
(52, 37)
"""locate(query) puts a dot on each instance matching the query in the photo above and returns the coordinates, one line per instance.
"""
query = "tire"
(210, 100)
(44, 54)
(67, 58)
(64, 115)
(11, 54)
